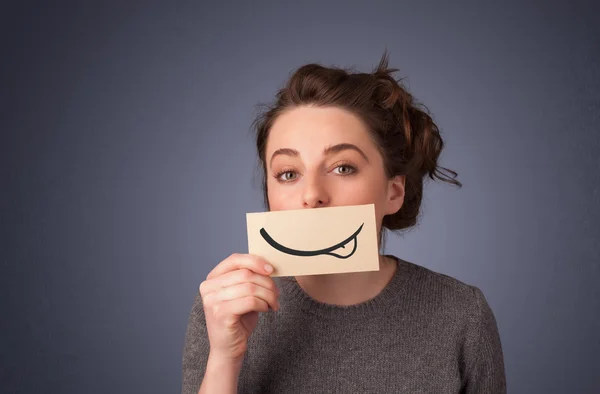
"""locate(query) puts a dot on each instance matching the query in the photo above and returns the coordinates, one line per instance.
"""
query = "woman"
(338, 138)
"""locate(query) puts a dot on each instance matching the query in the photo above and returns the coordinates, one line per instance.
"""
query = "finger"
(242, 275)
(237, 261)
(241, 306)
(243, 290)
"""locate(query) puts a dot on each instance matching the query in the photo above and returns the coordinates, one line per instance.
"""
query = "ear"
(395, 194)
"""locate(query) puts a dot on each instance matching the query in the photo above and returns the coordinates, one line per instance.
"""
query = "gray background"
(127, 167)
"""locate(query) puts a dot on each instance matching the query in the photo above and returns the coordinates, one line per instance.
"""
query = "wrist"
(224, 361)
(221, 375)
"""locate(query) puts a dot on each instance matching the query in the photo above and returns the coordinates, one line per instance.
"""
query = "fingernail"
(268, 268)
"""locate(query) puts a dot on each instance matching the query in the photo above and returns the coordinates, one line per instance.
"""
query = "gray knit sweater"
(424, 333)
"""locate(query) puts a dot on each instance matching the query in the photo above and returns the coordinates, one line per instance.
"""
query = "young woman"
(335, 138)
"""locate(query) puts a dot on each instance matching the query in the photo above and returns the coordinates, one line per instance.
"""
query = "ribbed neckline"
(387, 298)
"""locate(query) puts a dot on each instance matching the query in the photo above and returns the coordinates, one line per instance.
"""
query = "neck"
(348, 288)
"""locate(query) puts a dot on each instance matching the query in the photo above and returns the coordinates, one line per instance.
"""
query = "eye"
(345, 169)
(286, 176)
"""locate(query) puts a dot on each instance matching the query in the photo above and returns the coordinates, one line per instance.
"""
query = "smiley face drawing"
(308, 253)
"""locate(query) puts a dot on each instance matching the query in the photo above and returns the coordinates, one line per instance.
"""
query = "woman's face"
(324, 157)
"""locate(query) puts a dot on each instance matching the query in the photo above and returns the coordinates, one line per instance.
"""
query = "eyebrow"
(342, 147)
(327, 151)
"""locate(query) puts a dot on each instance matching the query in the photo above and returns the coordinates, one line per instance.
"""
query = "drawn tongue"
(344, 251)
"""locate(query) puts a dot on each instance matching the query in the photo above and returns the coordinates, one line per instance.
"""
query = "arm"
(221, 377)
(484, 359)
(201, 372)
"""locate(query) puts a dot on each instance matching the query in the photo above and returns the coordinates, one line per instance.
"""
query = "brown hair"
(402, 129)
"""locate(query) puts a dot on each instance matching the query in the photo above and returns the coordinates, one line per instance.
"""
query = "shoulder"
(196, 320)
(463, 312)
(458, 306)
(442, 292)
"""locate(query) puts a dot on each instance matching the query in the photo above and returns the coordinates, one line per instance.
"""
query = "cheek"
(371, 190)
(364, 190)
(279, 198)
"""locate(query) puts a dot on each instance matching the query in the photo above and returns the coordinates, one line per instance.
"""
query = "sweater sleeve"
(195, 349)
(484, 359)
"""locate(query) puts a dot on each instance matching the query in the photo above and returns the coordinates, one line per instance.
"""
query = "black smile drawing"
(307, 253)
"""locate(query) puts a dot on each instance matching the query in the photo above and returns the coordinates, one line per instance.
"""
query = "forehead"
(314, 128)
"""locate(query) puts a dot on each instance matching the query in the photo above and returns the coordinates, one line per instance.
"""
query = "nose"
(315, 193)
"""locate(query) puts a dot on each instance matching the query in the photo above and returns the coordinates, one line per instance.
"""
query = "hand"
(233, 293)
